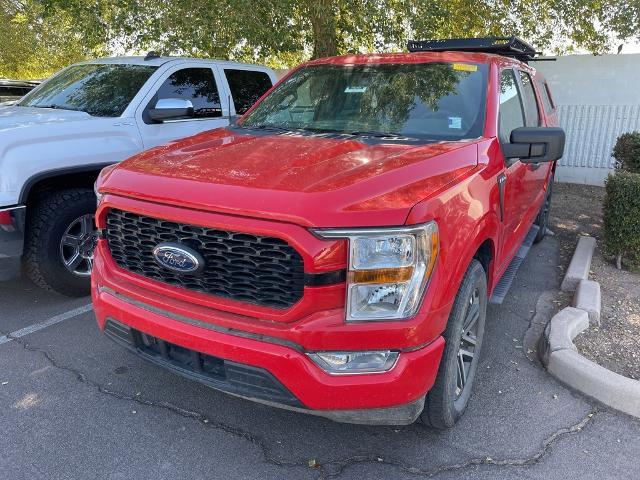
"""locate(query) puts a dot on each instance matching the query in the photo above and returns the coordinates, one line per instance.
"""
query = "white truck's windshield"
(433, 101)
(101, 90)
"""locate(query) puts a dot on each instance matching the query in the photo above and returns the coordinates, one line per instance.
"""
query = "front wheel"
(448, 399)
(61, 237)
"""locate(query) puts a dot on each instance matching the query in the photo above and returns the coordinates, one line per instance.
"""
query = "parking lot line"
(47, 323)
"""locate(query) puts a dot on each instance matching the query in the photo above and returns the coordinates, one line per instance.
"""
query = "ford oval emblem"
(178, 257)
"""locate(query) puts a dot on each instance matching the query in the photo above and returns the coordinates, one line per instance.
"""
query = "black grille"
(249, 268)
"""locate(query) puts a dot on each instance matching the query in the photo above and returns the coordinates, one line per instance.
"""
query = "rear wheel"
(542, 220)
(61, 237)
(448, 399)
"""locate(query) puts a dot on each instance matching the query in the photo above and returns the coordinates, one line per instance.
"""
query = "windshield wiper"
(267, 127)
(58, 107)
(320, 130)
(364, 133)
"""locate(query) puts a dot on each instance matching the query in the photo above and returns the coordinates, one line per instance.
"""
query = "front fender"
(467, 217)
(32, 152)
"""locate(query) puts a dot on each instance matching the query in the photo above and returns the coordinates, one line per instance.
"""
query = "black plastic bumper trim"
(404, 414)
(218, 373)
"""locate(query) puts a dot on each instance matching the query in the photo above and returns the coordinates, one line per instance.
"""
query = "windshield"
(101, 90)
(430, 101)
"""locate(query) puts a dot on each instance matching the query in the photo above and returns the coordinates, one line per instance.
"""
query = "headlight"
(388, 270)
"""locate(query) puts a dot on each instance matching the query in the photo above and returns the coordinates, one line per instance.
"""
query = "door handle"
(502, 179)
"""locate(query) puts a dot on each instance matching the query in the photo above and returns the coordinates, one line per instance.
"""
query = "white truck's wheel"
(60, 239)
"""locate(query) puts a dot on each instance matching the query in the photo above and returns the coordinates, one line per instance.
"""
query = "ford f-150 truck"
(55, 141)
(334, 251)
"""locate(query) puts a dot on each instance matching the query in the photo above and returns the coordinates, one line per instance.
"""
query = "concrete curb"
(588, 298)
(580, 264)
(561, 356)
(565, 363)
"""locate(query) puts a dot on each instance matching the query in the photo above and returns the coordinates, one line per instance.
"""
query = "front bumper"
(246, 381)
(12, 225)
(293, 381)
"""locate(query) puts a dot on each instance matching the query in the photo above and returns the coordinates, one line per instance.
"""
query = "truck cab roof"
(157, 61)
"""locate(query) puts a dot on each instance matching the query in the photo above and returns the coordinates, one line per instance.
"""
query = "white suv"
(55, 140)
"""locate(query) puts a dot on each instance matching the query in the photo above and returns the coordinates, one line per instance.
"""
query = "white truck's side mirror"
(171, 109)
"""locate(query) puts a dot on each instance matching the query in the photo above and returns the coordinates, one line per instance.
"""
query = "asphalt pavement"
(77, 406)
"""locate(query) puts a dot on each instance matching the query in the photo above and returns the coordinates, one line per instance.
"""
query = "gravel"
(577, 210)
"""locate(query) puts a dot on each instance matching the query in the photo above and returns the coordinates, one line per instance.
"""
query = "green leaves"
(43, 35)
(622, 218)
(627, 152)
(622, 203)
(38, 39)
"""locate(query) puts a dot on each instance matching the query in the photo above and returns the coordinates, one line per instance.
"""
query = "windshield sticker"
(455, 122)
(465, 67)
(355, 89)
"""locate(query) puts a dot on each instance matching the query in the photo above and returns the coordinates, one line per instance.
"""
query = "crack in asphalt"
(199, 417)
(332, 469)
(479, 461)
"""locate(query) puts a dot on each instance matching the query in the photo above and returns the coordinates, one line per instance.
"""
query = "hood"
(12, 116)
(308, 180)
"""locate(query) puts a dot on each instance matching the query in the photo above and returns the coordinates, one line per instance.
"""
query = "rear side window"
(511, 112)
(196, 85)
(532, 113)
(247, 87)
(547, 102)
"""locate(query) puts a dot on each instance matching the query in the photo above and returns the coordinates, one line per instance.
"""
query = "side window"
(511, 115)
(196, 85)
(546, 97)
(530, 103)
(246, 87)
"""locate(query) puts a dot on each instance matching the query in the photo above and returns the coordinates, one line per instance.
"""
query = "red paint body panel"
(283, 185)
(286, 178)
(413, 375)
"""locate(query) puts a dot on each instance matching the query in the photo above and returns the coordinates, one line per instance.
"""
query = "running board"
(502, 288)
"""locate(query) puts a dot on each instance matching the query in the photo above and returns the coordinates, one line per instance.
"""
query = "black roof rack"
(508, 46)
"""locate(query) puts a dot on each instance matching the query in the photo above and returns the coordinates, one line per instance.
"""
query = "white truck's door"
(198, 83)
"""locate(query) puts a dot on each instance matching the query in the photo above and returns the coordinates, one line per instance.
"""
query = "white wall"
(598, 98)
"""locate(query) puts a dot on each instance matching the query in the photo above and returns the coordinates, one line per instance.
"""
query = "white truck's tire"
(44, 257)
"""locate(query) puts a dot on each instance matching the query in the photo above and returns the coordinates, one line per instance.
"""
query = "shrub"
(622, 218)
(627, 152)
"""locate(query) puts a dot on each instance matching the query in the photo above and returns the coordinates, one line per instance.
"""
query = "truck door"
(537, 173)
(245, 85)
(515, 195)
(196, 83)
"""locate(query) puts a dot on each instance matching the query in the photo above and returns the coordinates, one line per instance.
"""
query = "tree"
(279, 31)
(282, 33)
(38, 39)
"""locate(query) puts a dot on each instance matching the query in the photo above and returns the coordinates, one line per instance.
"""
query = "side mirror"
(171, 109)
(535, 144)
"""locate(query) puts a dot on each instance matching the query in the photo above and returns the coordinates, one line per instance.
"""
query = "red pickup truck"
(333, 252)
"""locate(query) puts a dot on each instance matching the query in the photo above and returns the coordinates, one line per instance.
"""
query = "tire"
(446, 402)
(542, 220)
(52, 218)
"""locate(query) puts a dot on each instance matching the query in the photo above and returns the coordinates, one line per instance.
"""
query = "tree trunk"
(323, 22)
(619, 261)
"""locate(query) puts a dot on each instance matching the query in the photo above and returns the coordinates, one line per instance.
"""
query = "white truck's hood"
(35, 141)
(20, 117)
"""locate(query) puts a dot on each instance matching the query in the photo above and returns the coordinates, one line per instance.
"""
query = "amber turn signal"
(381, 275)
